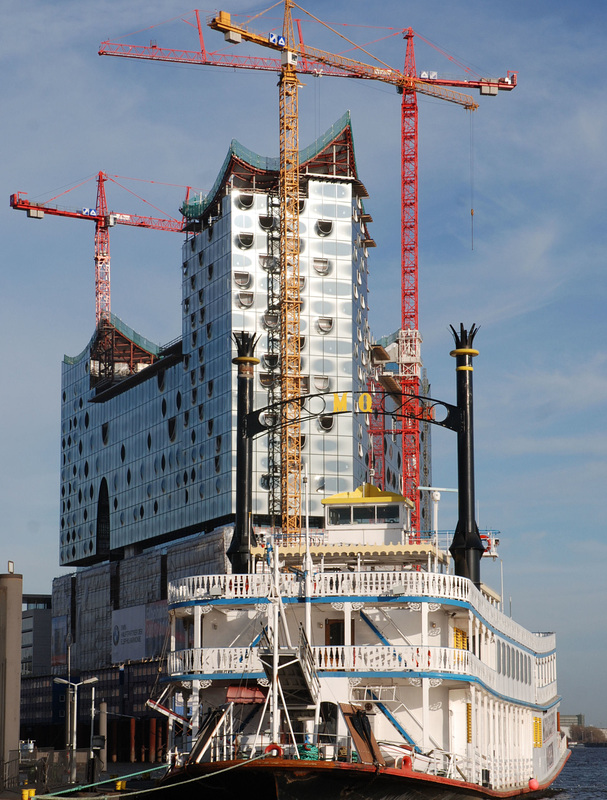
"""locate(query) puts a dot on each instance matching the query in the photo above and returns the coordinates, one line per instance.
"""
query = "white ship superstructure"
(449, 684)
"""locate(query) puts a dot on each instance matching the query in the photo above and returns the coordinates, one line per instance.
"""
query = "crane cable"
(472, 181)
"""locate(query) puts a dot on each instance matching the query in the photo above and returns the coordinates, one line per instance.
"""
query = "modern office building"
(148, 433)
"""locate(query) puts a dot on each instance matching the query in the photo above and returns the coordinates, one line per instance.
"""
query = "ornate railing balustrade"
(440, 661)
(390, 585)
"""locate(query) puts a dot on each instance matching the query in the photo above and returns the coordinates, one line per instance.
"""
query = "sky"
(530, 273)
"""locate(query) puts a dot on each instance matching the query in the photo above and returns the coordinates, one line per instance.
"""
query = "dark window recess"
(115, 585)
(103, 521)
(105, 432)
(266, 222)
(163, 572)
(325, 422)
(73, 607)
(172, 425)
(246, 201)
(122, 453)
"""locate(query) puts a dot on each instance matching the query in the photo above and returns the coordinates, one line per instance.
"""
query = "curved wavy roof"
(331, 155)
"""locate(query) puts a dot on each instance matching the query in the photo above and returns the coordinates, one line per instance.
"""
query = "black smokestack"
(466, 547)
(239, 551)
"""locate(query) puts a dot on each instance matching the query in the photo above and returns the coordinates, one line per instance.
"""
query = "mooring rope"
(65, 793)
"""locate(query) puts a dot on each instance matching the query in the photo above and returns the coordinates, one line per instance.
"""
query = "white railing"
(205, 588)
(355, 658)
(213, 660)
(543, 694)
(394, 583)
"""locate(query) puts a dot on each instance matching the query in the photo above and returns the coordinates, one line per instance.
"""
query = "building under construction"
(149, 433)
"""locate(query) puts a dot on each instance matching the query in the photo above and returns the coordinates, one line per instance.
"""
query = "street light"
(73, 689)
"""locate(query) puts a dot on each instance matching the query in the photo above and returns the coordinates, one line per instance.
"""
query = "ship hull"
(284, 779)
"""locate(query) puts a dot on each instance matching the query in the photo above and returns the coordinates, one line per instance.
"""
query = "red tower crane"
(315, 61)
(104, 220)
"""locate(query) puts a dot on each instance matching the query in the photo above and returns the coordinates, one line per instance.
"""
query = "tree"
(586, 733)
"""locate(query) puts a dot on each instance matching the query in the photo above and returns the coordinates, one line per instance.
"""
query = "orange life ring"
(276, 749)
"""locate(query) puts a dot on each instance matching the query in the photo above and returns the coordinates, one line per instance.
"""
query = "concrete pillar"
(132, 755)
(11, 589)
(152, 740)
(103, 732)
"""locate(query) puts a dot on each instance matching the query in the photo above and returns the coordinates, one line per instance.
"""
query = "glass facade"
(153, 457)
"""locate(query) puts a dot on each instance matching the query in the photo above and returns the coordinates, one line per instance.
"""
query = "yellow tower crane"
(290, 440)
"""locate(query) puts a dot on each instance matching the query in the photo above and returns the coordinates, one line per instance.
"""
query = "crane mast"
(409, 344)
(290, 305)
(102, 254)
(103, 220)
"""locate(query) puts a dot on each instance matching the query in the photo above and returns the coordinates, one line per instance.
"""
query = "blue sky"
(534, 282)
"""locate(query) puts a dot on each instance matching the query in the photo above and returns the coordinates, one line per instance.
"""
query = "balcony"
(405, 661)
(385, 586)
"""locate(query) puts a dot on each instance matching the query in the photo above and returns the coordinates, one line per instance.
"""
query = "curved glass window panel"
(271, 319)
(246, 201)
(246, 299)
(325, 324)
(242, 279)
(269, 263)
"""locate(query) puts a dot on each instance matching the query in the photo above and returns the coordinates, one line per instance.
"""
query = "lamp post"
(73, 688)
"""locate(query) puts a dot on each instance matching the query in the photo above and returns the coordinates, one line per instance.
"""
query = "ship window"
(363, 515)
(339, 515)
(388, 514)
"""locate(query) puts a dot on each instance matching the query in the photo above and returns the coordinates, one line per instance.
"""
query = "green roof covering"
(125, 330)
(198, 205)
